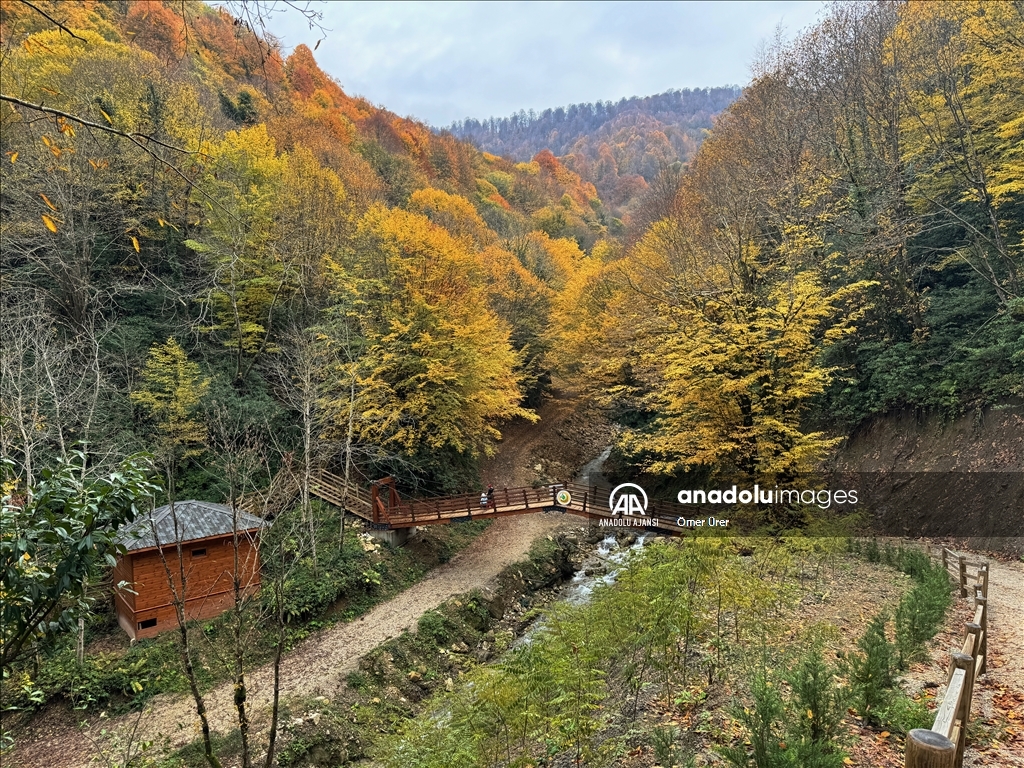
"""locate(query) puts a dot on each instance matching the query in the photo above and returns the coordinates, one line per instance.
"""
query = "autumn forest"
(216, 258)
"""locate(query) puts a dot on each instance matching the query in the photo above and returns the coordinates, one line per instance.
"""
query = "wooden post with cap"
(928, 749)
(966, 663)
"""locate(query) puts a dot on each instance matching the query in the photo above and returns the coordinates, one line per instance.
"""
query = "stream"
(602, 565)
(591, 473)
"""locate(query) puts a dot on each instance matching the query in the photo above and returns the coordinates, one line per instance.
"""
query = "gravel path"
(1000, 700)
(317, 666)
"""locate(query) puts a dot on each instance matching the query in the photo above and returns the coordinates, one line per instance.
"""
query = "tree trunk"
(179, 611)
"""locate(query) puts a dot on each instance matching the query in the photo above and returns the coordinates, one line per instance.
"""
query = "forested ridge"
(619, 146)
(263, 247)
(847, 242)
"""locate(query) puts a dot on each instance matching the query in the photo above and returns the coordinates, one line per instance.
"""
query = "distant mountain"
(620, 147)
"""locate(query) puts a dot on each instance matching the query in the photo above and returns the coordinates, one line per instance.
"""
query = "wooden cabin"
(145, 606)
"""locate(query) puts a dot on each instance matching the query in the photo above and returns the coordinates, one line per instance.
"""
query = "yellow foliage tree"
(964, 135)
(172, 391)
(240, 238)
(438, 371)
(729, 373)
(313, 220)
(455, 213)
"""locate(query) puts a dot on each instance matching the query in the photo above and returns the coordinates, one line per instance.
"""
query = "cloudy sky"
(441, 62)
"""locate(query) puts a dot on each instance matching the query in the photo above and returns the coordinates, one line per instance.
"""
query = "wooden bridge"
(383, 508)
(388, 510)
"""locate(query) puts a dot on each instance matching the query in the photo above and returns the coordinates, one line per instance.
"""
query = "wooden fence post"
(966, 663)
(932, 748)
(975, 631)
(928, 749)
(983, 602)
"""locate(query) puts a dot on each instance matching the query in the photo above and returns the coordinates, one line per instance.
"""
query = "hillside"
(191, 198)
(958, 479)
(620, 147)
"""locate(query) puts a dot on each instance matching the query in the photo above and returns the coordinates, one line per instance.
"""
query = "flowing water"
(591, 473)
(601, 567)
(603, 563)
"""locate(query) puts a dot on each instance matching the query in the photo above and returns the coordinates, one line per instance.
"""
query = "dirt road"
(317, 666)
(1000, 699)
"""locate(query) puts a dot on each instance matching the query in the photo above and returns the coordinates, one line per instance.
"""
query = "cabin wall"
(124, 599)
(123, 572)
(208, 565)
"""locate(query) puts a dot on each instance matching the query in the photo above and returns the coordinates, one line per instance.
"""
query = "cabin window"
(199, 552)
(147, 623)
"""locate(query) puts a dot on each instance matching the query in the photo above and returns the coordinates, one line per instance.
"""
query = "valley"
(272, 357)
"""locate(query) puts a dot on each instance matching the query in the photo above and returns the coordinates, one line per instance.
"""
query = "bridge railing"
(943, 745)
(463, 506)
(590, 501)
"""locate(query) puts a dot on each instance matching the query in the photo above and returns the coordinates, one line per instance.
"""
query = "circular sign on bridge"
(564, 498)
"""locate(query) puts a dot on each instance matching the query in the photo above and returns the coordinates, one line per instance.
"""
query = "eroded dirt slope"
(571, 432)
(962, 480)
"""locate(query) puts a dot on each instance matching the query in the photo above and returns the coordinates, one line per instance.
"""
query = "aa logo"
(628, 499)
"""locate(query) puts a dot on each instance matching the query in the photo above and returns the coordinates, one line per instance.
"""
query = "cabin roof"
(195, 520)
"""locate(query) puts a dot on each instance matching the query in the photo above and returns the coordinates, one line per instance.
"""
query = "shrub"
(435, 627)
(667, 752)
(803, 730)
(872, 553)
(914, 563)
(902, 714)
(871, 671)
(310, 588)
(763, 722)
(817, 703)
(816, 709)
(921, 612)
(95, 680)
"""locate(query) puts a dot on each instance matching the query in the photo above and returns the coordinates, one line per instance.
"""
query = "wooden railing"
(286, 486)
(958, 565)
(943, 745)
(585, 500)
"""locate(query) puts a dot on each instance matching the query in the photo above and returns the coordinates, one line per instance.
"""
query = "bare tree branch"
(138, 139)
(50, 19)
(135, 138)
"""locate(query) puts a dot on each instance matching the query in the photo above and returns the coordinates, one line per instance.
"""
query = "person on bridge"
(483, 499)
(490, 497)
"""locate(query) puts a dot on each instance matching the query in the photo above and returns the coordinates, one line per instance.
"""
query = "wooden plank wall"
(208, 578)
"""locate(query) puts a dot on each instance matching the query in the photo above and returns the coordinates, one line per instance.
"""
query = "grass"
(119, 677)
(396, 679)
